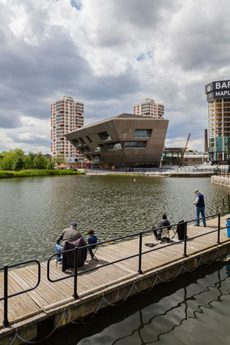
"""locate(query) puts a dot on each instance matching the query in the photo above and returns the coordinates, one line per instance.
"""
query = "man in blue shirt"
(200, 208)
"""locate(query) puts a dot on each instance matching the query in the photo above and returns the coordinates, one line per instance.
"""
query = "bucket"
(228, 226)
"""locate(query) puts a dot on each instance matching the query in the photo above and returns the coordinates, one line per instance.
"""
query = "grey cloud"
(8, 119)
(201, 41)
(32, 76)
(32, 73)
(126, 19)
(146, 13)
(35, 141)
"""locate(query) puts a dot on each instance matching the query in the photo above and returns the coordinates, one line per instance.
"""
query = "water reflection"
(193, 309)
(35, 210)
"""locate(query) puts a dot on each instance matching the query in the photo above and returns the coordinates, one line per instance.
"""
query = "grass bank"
(33, 173)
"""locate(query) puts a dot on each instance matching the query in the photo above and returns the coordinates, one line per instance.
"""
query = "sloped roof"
(120, 116)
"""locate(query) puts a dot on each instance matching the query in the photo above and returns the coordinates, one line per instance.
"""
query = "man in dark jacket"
(163, 223)
(200, 207)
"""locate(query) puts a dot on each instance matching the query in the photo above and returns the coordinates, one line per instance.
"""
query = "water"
(194, 309)
(35, 210)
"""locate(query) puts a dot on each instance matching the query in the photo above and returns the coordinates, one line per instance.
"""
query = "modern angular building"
(66, 116)
(125, 140)
(218, 97)
(148, 107)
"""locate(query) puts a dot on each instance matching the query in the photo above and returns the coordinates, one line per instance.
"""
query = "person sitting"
(160, 231)
(69, 234)
(69, 255)
(92, 239)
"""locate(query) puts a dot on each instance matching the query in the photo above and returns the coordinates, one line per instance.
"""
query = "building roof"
(120, 116)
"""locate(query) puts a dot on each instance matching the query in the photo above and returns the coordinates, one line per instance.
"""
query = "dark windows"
(135, 145)
(104, 136)
(142, 133)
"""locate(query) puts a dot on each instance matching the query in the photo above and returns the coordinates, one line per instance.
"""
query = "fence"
(76, 274)
(5, 269)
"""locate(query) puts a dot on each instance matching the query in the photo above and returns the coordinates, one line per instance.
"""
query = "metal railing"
(222, 172)
(6, 295)
(140, 253)
(166, 169)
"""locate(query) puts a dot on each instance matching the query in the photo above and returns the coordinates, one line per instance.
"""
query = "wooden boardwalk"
(48, 296)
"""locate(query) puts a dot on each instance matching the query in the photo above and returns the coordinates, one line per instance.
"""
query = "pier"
(124, 268)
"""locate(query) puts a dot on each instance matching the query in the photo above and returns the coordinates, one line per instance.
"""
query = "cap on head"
(196, 190)
(73, 224)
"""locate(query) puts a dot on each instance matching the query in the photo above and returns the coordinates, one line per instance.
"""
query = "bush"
(34, 173)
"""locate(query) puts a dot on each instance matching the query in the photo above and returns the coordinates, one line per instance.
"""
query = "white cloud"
(110, 55)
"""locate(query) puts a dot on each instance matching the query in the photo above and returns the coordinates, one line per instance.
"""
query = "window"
(135, 144)
(142, 133)
(116, 146)
(104, 136)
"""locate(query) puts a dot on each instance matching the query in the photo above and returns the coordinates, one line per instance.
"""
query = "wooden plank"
(47, 293)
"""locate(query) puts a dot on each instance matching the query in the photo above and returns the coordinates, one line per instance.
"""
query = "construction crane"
(182, 157)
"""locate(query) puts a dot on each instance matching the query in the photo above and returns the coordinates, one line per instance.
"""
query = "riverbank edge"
(150, 174)
(221, 181)
(38, 173)
(86, 305)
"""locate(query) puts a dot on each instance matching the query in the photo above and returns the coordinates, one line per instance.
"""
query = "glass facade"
(142, 133)
(135, 145)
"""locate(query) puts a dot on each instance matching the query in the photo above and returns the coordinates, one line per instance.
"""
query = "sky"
(109, 54)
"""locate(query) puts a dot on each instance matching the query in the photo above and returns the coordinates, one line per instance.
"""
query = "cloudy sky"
(109, 54)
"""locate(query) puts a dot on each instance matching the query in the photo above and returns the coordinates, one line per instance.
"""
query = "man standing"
(200, 207)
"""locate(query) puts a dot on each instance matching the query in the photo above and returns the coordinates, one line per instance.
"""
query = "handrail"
(76, 274)
(139, 254)
(6, 295)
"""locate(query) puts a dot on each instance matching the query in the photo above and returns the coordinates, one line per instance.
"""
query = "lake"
(35, 210)
(192, 309)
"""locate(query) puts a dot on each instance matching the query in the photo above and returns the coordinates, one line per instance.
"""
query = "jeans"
(58, 249)
(198, 211)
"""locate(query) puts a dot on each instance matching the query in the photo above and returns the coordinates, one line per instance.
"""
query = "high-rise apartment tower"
(218, 97)
(148, 107)
(66, 116)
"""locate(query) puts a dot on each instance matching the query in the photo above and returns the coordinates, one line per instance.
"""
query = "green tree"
(50, 164)
(18, 161)
(40, 161)
(29, 161)
(6, 160)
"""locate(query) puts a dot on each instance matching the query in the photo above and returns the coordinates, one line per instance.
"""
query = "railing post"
(218, 233)
(140, 253)
(5, 322)
(185, 239)
(75, 295)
